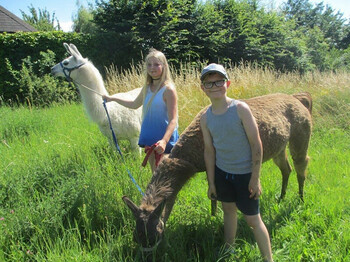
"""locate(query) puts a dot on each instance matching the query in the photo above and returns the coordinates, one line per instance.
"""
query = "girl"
(159, 99)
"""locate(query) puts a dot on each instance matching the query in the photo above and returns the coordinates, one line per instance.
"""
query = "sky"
(343, 6)
(65, 10)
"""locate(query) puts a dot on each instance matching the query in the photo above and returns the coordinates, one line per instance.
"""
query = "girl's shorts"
(234, 188)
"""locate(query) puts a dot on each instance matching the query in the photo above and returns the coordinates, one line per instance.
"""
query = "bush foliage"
(22, 52)
(299, 37)
(33, 84)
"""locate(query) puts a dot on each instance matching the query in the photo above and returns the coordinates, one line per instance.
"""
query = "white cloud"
(66, 26)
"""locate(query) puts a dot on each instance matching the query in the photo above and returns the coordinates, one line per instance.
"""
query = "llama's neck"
(169, 178)
(88, 77)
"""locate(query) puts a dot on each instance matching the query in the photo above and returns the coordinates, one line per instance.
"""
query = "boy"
(233, 156)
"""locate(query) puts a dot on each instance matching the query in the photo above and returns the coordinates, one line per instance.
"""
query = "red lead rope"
(148, 151)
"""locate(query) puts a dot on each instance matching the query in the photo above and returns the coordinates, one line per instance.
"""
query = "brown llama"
(281, 119)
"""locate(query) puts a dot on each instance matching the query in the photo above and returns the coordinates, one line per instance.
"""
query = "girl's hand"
(160, 148)
(106, 98)
(212, 192)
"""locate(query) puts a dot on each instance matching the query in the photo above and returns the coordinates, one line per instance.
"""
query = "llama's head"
(149, 225)
(67, 66)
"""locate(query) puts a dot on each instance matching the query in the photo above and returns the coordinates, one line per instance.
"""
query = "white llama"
(126, 122)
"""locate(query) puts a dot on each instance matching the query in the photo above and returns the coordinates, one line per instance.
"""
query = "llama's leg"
(168, 208)
(300, 167)
(300, 163)
(134, 145)
(214, 207)
(298, 149)
(152, 162)
(281, 161)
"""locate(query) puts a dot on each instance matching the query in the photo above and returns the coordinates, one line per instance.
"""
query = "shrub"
(33, 84)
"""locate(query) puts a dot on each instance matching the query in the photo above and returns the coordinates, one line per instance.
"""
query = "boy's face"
(215, 85)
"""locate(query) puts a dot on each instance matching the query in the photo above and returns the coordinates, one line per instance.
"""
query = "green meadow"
(61, 183)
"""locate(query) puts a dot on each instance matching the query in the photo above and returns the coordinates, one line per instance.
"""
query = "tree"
(41, 19)
(162, 24)
(210, 32)
(345, 42)
(231, 31)
(116, 16)
(308, 16)
(168, 26)
(301, 37)
(83, 20)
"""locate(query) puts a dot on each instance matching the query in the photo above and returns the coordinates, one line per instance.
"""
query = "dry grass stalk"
(328, 89)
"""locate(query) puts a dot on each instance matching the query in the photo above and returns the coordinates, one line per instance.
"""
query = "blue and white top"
(155, 121)
(233, 152)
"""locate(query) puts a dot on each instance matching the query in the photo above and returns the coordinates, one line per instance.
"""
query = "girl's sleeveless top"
(233, 153)
(155, 121)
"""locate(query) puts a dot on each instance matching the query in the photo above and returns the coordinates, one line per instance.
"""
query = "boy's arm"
(209, 157)
(252, 131)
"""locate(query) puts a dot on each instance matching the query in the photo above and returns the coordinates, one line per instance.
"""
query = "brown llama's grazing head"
(157, 203)
(149, 225)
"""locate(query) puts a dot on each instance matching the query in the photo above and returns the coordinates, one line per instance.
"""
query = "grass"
(61, 183)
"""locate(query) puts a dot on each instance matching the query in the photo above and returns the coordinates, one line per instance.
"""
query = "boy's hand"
(254, 188)
(212, 192)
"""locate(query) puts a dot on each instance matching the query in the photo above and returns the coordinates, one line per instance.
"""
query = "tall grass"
(330, 90)
(61, 183)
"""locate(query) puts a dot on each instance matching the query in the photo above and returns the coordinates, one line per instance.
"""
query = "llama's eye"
(65, 63)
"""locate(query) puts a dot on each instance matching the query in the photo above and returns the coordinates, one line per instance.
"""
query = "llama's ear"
(67, 47)
(135, 209)
(75, 52)
(159, 209)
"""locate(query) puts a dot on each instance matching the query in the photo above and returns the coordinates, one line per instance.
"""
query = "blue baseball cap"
(214, 68)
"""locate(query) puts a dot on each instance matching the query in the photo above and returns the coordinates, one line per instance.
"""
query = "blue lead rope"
(117, 146)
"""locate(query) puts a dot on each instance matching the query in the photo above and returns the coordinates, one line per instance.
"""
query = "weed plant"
(61, 183)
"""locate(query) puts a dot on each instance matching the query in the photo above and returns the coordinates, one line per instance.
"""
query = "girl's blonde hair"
(165, 78)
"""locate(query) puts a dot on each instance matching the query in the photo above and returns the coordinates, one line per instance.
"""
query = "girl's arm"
(133, 104)
(252, 131)
(170, 98)
(209, 157)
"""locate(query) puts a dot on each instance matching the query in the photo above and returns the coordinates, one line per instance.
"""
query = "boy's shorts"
(234, 188)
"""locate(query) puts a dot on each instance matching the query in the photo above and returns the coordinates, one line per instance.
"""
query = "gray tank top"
(233, 152)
